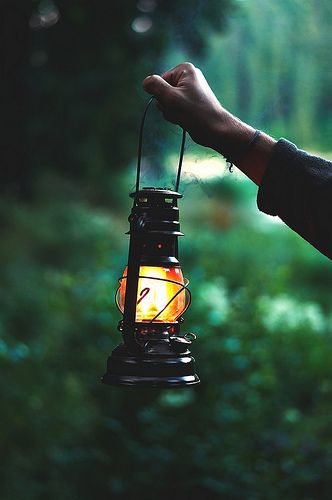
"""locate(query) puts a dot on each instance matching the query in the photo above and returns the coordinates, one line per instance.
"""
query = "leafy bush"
(257, 427)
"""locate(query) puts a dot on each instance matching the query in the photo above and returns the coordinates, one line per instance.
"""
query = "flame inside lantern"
(161, 294)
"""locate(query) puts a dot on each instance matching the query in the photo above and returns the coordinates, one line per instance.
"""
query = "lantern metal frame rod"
(129, 313)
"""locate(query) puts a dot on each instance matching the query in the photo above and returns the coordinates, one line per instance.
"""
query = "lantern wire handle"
(183, 143)
(140, 145)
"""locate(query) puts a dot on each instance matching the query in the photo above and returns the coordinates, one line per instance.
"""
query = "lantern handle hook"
(140, 145)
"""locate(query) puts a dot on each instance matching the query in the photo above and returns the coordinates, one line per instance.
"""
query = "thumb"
(157, 86)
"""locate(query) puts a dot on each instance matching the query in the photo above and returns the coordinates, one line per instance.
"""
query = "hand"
(184, 97)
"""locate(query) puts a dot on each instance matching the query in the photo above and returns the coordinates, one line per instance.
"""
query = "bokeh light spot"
(46, 16)
(141, 24)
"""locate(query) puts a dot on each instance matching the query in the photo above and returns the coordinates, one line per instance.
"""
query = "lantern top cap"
(155, 192)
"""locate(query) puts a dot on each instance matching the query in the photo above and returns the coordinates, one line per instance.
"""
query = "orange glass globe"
(161, 294)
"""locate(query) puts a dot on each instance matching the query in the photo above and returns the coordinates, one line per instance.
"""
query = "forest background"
(258, 426)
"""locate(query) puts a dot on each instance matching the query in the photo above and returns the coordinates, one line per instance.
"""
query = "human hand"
(185, 97)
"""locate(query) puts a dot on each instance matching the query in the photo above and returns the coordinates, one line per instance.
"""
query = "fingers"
(161, 85)
(178, 73)
(157, 86)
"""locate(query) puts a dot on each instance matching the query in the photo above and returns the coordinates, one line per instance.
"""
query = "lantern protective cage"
(145, 280)
(153, 294)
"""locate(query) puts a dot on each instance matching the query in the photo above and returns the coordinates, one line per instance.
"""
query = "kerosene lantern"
(153, 294)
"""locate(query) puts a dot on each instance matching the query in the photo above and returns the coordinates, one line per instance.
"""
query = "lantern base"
(158, 365)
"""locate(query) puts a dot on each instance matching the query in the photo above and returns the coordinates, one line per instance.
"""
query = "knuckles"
(188, 66)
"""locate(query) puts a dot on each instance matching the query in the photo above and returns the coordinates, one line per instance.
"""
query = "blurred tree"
(14, 38)
(83, 78)
(259, 424)
(274, 69)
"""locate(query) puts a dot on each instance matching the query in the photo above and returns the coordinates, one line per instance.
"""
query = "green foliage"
(257, 427)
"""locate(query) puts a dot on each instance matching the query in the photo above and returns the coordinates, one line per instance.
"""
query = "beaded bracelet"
(245, 150)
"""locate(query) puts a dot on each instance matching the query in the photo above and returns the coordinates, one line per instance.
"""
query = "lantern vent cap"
(155, 193)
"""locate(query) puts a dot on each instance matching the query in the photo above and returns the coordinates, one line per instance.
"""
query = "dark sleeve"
(298, 188)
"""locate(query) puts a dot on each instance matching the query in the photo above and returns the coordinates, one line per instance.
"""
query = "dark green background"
(258, 427)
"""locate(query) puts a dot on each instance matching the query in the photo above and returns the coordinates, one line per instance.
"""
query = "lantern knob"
(179, 344)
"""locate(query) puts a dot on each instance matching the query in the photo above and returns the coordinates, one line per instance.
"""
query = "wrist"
(230, 135)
